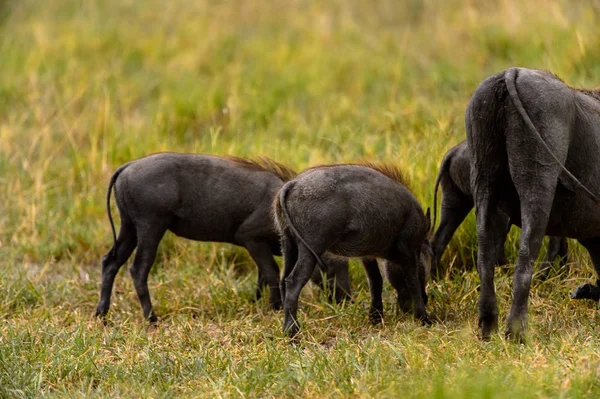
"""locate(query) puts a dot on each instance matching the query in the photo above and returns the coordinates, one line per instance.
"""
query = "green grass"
(88, 85)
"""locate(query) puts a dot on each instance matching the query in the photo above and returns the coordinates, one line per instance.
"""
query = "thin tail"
(111, 184)
(282, 194)
(443, 167)
(510, 79)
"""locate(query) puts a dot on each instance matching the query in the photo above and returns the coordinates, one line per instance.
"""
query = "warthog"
(457, 202)
(354, 211)
(534, 141)
(202, 198)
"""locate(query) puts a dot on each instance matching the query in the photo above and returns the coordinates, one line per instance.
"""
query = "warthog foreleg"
(453, 214)
(557, 248)
(403, 274)
(268, 271)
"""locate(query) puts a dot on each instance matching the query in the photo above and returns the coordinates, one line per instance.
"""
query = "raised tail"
(111, 184)
(510, 78)
(281, 205)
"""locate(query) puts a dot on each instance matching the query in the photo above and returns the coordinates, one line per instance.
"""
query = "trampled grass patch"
(87, 86)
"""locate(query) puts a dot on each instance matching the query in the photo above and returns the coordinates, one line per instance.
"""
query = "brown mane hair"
(387, 169)
(595, 93)
(266, 164)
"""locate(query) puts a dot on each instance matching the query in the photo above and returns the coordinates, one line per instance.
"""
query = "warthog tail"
(111, 184)
(282, 194)
(510, 78)
(443, 169)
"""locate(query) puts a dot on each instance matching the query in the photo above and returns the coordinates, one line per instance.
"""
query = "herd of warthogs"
(529, 160)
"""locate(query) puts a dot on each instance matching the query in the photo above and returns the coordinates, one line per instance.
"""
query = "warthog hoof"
(277, 305)
(426, 320)
(405, 304)
(375, 316)
(340, 298)
(515, 330)
(152, 319)
(587, 291)
(101, 315)
(516, 336)
(291, 330)
(488, 325)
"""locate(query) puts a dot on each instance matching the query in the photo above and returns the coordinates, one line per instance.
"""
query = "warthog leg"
(489, 232)
(557, 248)
(532, 233)
(112, 262)
(402, 272)
(260, 284)
(376, 288)
(292, 284)
(338, 279)
(149, 236)
(454, 211)
(289, 250)
(267, 270)
(536, 194)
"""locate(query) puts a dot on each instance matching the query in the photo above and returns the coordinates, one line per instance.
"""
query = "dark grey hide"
(534, 143)
(353, 211)
(202, 198)
(457, 202)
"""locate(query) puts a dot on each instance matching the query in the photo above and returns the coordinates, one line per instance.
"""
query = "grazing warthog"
(457, 202)
(534, 143)
(354, 211)
(202, 198)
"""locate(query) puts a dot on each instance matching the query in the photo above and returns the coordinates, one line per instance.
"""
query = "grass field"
(88, 85)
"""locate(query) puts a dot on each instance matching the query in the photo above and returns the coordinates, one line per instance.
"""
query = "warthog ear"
(428, 217)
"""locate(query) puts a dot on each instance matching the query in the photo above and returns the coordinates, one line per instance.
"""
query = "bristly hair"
(265, 164)
(595, 93)
(387, 169)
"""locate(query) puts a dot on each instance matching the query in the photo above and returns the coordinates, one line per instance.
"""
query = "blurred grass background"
(88, 85)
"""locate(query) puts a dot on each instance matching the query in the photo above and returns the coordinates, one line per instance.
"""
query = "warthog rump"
(534, 143)
(354, 211)
(202, 198)
(457, 202)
